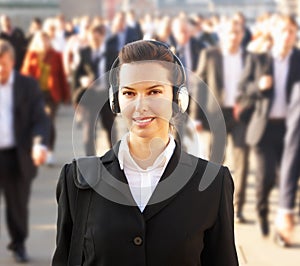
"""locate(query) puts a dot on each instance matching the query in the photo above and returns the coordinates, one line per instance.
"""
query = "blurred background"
(71, 26)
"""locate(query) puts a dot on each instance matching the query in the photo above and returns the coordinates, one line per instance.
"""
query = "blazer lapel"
(292, 73)
(113, 184)
(219, 72)
(179, 171)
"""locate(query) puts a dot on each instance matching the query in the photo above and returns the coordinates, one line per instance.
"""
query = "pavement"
(252, 249)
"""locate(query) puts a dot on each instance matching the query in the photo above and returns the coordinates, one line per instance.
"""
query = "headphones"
(180, 93)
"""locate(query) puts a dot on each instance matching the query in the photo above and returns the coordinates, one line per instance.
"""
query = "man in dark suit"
(187, 48)
(95, 61)
(24, 135)
(239, 16)
(220, 68)
(202, 36)
(16, 37)
(269, 79)
(290, 170)
(133, 26)
(122, 33)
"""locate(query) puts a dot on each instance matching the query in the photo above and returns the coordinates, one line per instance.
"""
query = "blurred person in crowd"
(239, 16)
(143, 227)
(76, 22)
(24, 134)
(164, 31)
(203, 37)
(148, 27)
(121, 33)
(49, 27)
(134, 25)
(60, 33)
(290, 172)
(268, 79)
(186, 46)
(69, 31)
(187, 49)
(71, 57)
(34, 27)
(261, 38)
(97, 21)
(16, 37)
(220, 68)
(262, 44)
(95, 61)
(261, 25)
(45, 65)
(53, 26)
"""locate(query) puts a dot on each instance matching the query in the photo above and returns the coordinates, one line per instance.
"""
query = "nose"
(140, 104)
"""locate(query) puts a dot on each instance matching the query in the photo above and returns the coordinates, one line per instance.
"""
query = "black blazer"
(258, 65)
(191, 227)
(195, 49)
(31, 124)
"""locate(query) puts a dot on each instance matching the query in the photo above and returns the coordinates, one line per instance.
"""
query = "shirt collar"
(102, 48)
(225, 52)
(125, 156)
(276, 56)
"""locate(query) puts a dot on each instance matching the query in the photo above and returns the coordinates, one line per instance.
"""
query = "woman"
(146, 207)
(44, 64)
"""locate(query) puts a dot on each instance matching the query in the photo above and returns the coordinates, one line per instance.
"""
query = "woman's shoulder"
(84, 171)
(210, 173)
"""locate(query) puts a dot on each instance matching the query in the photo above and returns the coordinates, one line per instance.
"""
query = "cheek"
(162, 108)
(126, 107)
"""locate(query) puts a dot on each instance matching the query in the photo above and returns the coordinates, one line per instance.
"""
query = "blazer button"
(138, 241)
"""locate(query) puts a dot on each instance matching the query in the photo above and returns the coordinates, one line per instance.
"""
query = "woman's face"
(145, 99)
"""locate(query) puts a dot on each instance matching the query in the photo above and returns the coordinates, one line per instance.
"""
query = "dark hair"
(144, 50)
(100, 29)
(37, 20)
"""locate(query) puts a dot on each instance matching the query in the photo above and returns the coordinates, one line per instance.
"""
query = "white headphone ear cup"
(111, 99)
(183, 98)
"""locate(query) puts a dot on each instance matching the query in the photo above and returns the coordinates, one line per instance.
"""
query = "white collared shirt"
(142, 182)
(7, 137)
(281, 70)
(232, 71)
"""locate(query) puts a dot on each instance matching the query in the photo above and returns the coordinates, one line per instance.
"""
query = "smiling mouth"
(143, 121)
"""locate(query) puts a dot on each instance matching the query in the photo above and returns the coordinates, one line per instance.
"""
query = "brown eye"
(128, 93)
(154, 92)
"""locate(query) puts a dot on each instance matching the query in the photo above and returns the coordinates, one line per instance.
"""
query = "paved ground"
(252, 249)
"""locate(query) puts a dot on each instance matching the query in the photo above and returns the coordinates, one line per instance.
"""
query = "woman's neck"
(145, 151)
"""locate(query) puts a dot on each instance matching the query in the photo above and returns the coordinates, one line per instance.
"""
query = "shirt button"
(138, 241)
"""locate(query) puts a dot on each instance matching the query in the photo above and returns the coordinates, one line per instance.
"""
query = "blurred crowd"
(252, 71)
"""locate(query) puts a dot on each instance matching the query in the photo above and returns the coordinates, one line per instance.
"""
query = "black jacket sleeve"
(219, 243)
(64, 220)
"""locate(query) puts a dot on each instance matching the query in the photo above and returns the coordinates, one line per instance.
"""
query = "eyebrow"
(149, 88)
